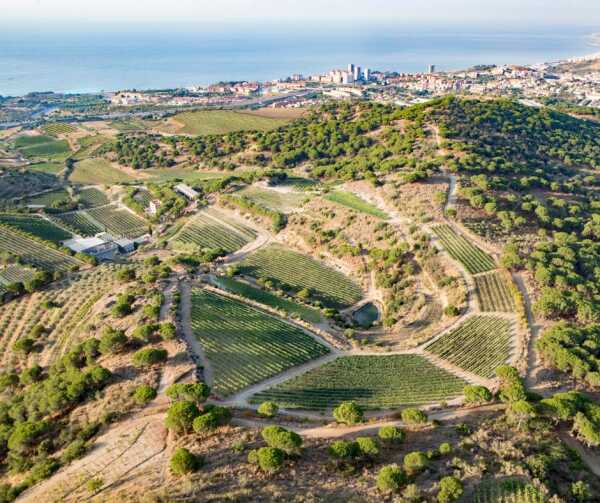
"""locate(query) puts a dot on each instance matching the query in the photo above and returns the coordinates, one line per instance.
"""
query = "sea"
(94, 58)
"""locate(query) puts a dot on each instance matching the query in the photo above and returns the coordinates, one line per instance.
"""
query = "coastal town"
(574, 81)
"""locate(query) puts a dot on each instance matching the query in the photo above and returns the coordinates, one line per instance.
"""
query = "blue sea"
(95, 57)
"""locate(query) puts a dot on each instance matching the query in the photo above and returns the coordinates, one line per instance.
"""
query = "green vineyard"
(285, 202)
(269, 299)
(461, 249)
(295, 272)
(244, 345)
(354, 202)
(57, 128)
(37, 226)
(78, 223)
(493, 293)
(211, 229)
(49, 198)
(92, 197)
(119, 222)
(373, 382)
(479, 345)
(34, 252)
(507, 491)
(16, 273)
(41, 146)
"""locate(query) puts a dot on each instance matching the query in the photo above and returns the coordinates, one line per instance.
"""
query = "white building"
(357, 75)
(187, 191)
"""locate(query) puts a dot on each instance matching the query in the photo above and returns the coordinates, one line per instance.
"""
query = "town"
(575, 81)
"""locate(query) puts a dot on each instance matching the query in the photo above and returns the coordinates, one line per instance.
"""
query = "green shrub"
(167, 331)
(413, 416)
(445, 449)
(288, 441)
(205, 422)
(477, 394)
(415, 462)
(94, 485)
(581, 491)
(367, 446)
(181, 415)
(183, 462)
(268, 409)
(112, 341)
(193, 392)
(269, 459)
(144, 394)
(450, 490)
(73, 451)
(344, 449)
(348, 413)
(391, 434)
(390, 478)
(149, 356)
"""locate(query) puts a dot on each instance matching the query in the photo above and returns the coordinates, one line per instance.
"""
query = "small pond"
(366, 315)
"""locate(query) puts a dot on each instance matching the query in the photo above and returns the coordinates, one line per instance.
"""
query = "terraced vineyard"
(356, 203)
(15, 273)
(57, 128)
(49, 198)
(78, 222)
(35, 225)
(212, 229)
(269, 299)
(66, 323)
(244, 345)
(507, 491)
(34, 252)
(493, 293)
(285, 202)
(296, 271)
(92, 197)
(119, 222)
(374, 382)
(479, 345)
(461, 249)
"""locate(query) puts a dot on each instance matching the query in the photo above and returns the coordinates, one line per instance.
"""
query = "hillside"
(364, 303)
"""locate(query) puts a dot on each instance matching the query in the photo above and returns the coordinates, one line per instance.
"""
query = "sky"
(487, 12)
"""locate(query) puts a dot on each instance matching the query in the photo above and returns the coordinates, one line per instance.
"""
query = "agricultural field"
(92, 197)
(21, 183)
(48, 198)
(211, 229)
(188, 175)
(118, 221)
(97, 171)
(479, 345)
(372, 381)
(42, 146)
(286, 202)
(295, 272)
(78, 222)
(223, 121)
(462, 250)
(256, 294)
(356, 203)
(299, 183)
(35, 225)
(88, 145)
(58, 128)
(15, 273)
(507, 491)
(244, 345)
(493, 293)
(130, 125)
(65, 323)
(32, 251)
(51, 168)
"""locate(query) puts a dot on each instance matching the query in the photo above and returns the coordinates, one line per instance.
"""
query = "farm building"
(187, 191)
(103, 246)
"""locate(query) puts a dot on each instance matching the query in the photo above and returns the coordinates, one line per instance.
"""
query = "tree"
(367, 446)
(183, 462)
(520, 412)
(391, 434)
(126, 274)
(193, 392)
(144, 394)
(24, 345)
(413, 416)
(390, 478)
(268, 409)
(477, 394)
(112, 341)
(212, 417)
(586, 431)
(181, 415)
(167, 331)
(450, 490)
(348, 413)
(581, 491)
(415, 462)
(149, 356)
(288, 441)
(343, 449)
(269, 459)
